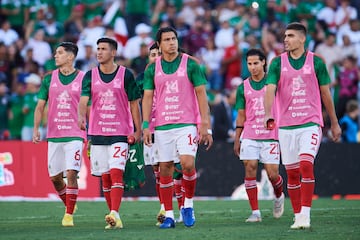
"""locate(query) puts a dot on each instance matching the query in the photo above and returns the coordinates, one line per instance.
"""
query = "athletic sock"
(293, 186)
(252, 192)
(178, 192)
(307, 180)
(71, 196)
(106, 187)
(278, 186)
(117, 188)
(189, 183)
(62, 194)
(167, 191)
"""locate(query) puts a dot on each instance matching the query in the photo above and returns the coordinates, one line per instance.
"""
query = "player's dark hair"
(259, 53)
(297, 27)
(113, 44)
(70, 47)
(154, 46)
(164, 30)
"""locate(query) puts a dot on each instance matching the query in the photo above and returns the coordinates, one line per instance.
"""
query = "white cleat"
(254, 218)
(278, 209)
(301, 222)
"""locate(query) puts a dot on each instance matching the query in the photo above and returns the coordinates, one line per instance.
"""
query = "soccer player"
(179, 87)
(301, 83)
(114, 111)
(61, 89)
(257, 143)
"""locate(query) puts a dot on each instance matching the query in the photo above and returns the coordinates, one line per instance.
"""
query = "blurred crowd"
(217, 32)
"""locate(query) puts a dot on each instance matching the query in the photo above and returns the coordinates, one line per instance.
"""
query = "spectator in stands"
(75, 24)
(327, 14)
(16, 13)
(196, 37)
(41, 49)
(224, 36)
(344, 13)
(88, 61)
(4, 105)
(132, 47)
(348, 80)
(6, 66)
(223, 128)
(33, 82)
(211, 57)
(93, 8)
(137, 11)
(349, 124)
(16, 117)
(7, 34)
(231, 62)
(139, 63)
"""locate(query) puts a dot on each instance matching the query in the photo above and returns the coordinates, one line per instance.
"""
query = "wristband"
(209, 131)
(239, 126)
(145, 124)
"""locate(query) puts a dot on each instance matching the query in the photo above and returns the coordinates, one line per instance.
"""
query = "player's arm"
(240, 119)
(38, 115)
(329, 106)
(84, 99)
(271, 85)
(134, 95)
(147, 102)
(203, 108)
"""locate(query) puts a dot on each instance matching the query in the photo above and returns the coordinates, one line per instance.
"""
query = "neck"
(67, 70)
(108, 68)
(170, 56)
(297, 53)
(258, 77)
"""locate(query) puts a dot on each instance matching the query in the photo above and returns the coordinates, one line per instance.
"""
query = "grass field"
(216, 219)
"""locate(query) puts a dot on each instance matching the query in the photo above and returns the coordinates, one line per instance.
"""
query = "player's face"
(255, 65)
(105, 53)
(154, 53)
(293, 40)
(169, 43)
(62, 57)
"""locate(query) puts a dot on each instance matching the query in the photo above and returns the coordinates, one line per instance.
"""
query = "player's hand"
(82, 123)
(237, 147)
(137, 136)
(36, 136)
(203, 133)
(208, 142)
(266, 119)
(147, 137)
(335, 132)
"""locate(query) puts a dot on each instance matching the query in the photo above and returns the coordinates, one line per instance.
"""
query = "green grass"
(218, 219)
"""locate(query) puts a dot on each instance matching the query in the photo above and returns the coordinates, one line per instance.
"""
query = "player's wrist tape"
(209, 131)
(145, 124)
(239, 126)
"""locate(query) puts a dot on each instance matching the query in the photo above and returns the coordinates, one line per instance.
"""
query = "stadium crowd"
(218, 33)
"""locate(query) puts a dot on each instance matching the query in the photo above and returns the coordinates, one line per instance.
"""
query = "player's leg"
(167, 153)
(309, 143)
(118, 153)
(187, 148)
(289, 156)
(250, 153)
(179, 189)
(270, 157)
(56, 168)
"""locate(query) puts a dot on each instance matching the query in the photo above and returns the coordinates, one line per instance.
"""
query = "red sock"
(71, 196)
(117, 188)
(157, 184)
(189, 183)
(293, 186)
(106, 187)
(178, 192)
(62, 194)
(167, 191)
(252, 192)
(307, 179)
(278, 186)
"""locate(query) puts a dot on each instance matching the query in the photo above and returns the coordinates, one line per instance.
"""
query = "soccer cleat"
(278, 209)
(188, 216)
(160, 217)
(67, 220)
(254, 218)
(113, 222)
(168, 223)
(301, 222)
(180, 219)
